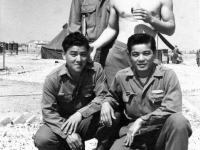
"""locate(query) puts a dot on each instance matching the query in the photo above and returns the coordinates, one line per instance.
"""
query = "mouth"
(78, 65)
(141, 65)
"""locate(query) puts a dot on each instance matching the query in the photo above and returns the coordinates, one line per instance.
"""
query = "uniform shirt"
(62, 97)
(138, 101)
(97, 15)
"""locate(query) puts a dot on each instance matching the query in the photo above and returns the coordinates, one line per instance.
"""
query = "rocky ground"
(21, 90)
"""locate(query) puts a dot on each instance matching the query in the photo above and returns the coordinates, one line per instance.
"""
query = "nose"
(141, 57)
(78, 58)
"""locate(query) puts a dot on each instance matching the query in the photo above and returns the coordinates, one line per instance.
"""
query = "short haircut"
(75, 39)
(141, 38)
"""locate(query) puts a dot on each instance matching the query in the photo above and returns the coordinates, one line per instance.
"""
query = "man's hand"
(74, 141)
(71, 124)
(107, 114)
(132, 131)
(93, 51)
(142, 14)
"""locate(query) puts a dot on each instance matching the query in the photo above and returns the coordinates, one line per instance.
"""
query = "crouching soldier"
(72, 98)
(152, 101)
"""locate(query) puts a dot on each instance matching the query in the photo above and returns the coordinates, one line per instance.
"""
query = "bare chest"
(124, 7)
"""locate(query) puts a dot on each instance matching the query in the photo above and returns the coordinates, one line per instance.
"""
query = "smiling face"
(142, 58)
(76, 59)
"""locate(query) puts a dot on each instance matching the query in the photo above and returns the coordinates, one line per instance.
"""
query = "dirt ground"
(22, 80)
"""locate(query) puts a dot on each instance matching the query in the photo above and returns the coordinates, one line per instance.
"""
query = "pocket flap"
(88, 8)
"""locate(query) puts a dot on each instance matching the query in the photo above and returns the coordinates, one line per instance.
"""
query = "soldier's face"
(142, 57)
(76, 58)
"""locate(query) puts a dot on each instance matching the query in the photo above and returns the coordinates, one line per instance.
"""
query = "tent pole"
(3, 57)
(157, 47)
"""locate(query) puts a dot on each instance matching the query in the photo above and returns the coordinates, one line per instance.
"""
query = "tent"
(54, 49)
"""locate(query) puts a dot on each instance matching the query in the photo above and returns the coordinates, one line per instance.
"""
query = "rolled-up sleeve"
(171, 103)
(100, 91)
(75, 17)
(49, 108)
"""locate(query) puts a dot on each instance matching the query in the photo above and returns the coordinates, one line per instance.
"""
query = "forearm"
(54, 121)
(90, 109)
(107, 36)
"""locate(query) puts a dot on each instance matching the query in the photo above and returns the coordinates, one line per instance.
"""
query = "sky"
(25, 20)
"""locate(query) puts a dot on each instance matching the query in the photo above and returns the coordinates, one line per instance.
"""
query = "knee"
(178, 122)
(45, 142)
(40, 141)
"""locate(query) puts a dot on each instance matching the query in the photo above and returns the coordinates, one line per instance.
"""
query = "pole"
(157, 48)
(83, 25)
(3, 57)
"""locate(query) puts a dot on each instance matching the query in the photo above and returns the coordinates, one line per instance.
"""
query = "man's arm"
(167, 25)
(171, 102)
(109, 33)
(75, 17)
(163, 22)
(49, 108)
(100, 91)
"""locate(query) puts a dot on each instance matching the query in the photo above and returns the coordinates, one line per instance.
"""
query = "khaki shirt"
(97, 15)
(62, 97)
(138, 101)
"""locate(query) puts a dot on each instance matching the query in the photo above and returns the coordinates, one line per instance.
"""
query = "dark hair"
(75, 39)
(141, 38)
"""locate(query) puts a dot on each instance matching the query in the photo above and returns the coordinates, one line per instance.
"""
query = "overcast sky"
(25, 20)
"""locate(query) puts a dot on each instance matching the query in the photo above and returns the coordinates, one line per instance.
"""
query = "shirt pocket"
(90, 13)
(128, 97)
(88, 90)
(156, 99)
(88, 95)
(64, 95)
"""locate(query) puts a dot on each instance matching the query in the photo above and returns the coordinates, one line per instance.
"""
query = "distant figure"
(130, 17)
(175, 54)
(151, 98)
(198, 57)
(91, 18)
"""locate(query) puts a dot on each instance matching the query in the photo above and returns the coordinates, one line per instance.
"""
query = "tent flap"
(54, 49)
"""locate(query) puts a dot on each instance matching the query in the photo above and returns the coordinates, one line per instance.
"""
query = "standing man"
(128, 17)
(91, 18)
(152, 100)
(72, 97)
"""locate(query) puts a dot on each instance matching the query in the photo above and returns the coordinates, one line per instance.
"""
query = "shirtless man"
(128, 17)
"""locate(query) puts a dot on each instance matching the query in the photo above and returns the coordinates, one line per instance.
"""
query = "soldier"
(151, 97)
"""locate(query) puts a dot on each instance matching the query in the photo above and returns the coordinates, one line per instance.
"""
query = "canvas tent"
(54, 49)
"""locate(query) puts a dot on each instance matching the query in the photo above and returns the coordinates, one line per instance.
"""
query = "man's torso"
(127, 24)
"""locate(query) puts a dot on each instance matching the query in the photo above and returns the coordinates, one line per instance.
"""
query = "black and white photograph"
(99, 75)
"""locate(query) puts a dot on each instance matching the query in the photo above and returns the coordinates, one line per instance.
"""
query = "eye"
(83, 54)
(147, 53)
(134, 54)
(73, 54)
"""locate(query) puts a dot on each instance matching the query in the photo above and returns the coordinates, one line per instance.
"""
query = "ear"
(63, 55)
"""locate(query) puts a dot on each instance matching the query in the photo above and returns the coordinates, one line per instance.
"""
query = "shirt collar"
(64, 70)
(157, 71)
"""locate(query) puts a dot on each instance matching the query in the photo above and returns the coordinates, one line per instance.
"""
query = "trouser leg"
(107, 135)
(116, 60)
(174, 134)
(46, 139)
